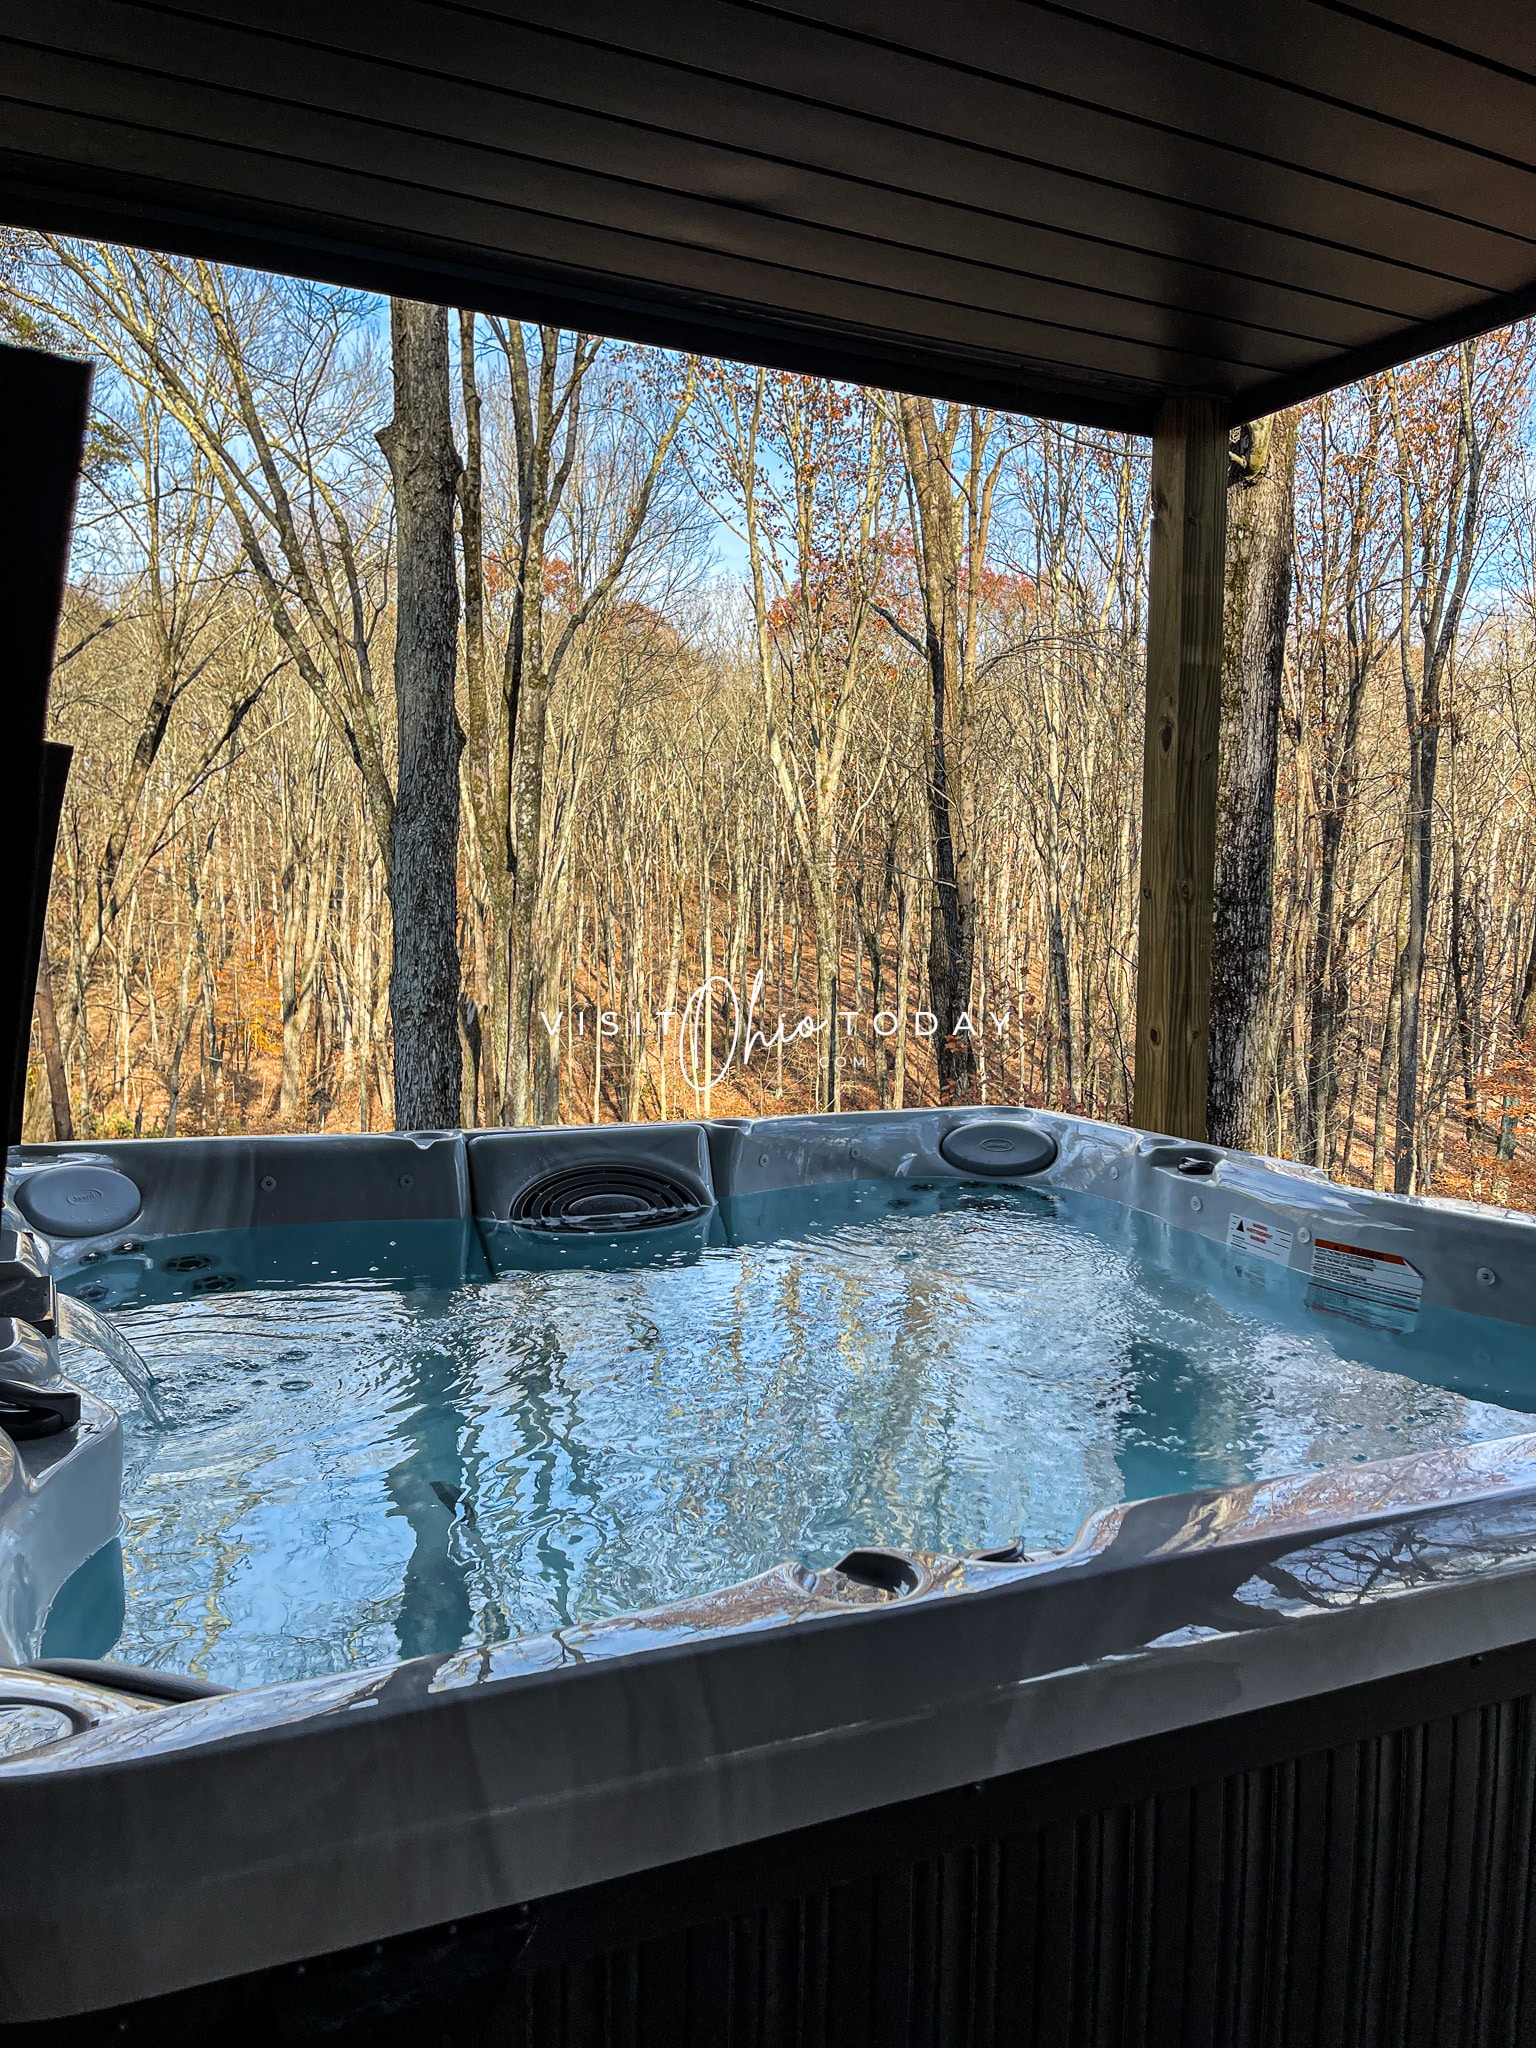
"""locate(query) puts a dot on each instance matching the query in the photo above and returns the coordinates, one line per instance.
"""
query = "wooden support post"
(1178, 794)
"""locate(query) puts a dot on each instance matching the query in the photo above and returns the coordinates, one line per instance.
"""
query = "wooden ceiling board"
(1313, 49)
(1149, 79)
(1188, 168)
(1081, 210)
(938, 293)
(753, 122)
(1490, 31)
(1120, 290)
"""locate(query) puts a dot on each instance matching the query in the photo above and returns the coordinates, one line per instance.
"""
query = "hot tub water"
(394, 1463)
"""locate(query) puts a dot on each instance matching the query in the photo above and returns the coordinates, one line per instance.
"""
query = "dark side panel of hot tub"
(1226, 1890)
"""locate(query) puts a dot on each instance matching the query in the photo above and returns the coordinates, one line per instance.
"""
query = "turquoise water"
(393, 1462)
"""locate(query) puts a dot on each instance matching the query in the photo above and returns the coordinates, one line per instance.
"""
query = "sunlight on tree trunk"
(424, 976)
(1260, 520)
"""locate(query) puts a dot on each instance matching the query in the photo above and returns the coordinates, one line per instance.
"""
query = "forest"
(488, 723)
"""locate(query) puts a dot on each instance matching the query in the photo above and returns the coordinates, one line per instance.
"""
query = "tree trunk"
(530, 727)
(1423, 760)
(53, 1052)
(487, 805)
(824, 915)
(1461, 951)
(1330, 966)
(1525, 1005)
(1447, 574)
(1260, 530)
(424, 842)
(1389, 1038)
(929, 449)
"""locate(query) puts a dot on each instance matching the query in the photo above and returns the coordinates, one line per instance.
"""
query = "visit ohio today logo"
(715, 1030)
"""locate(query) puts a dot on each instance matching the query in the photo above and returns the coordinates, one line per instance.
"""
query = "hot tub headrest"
(68, 1200)
(998, 1146)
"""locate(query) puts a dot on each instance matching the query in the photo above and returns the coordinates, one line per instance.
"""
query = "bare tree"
(1440, 505)
(548, 373)
(424, 836)
(808, 466)
(955, 456)
(1339, 648)
(1260, 523)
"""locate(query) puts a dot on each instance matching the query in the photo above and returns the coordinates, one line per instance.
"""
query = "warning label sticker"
(1380, 1289)
(1259, 1239)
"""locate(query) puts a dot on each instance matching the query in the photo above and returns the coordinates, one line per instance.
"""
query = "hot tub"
(704, 1579)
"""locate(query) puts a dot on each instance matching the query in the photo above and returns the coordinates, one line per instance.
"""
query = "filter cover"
(999, 1146)
(78, 1201)
(606, 1196)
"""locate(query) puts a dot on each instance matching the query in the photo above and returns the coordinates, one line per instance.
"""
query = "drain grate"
(606, 1196)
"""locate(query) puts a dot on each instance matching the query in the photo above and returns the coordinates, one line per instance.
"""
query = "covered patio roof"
(1081, 211)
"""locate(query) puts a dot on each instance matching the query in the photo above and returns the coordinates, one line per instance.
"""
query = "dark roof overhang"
(1072, 210)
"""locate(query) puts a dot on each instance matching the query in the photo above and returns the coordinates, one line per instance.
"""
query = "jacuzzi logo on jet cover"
(715, 1031)
(85, 1195)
